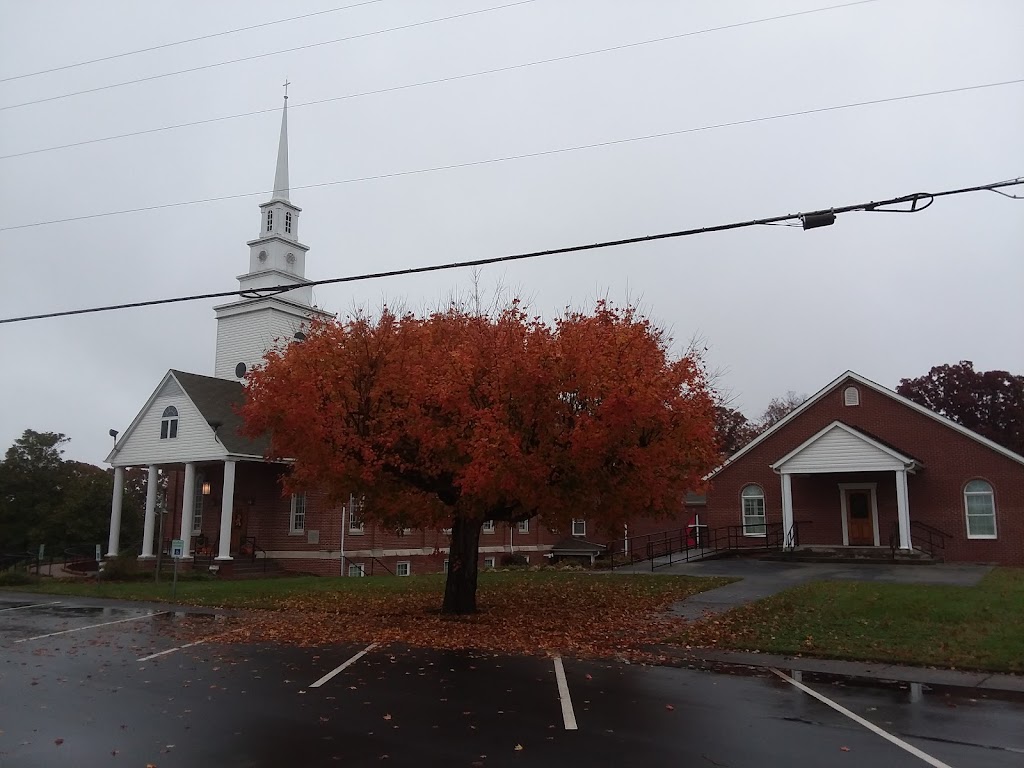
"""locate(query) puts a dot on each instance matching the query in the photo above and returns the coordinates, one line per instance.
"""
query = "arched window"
(980, 506)
(270, 220)
(169, 423)
(851, 396)
(753, 510)
(288, 222)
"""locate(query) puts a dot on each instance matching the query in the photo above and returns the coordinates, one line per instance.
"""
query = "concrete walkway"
(763, 578)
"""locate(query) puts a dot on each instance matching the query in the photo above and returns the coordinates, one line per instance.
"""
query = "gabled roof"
(218, 401)
(856, 377)
(879, 449)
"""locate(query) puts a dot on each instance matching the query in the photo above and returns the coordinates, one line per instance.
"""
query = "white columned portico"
(226, 506)
(150, 522)
(787, 507)
(188, 500)
(903, 509)
(114, 540)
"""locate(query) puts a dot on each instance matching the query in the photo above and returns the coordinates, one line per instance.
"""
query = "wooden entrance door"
(239, 525)
(859, 521)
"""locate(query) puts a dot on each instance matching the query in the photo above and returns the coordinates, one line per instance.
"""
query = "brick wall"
(949, 458)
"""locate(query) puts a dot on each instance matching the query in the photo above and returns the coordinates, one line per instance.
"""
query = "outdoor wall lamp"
(206, 488)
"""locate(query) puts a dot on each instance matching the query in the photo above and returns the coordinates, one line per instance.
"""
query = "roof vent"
(851, 396)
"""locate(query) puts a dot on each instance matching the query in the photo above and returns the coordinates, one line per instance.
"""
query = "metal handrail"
(346, 560)
(933, 542)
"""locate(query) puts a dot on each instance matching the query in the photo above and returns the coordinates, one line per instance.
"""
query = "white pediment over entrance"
(841, 448)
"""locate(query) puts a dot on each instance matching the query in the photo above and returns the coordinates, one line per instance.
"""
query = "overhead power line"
(266, 55)
(162, 46)
(508, 158)
(914, 203)
(436, 81)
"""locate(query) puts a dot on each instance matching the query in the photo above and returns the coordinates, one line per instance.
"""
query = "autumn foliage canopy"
(459, 417)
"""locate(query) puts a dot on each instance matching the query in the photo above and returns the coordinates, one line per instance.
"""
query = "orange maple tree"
(459, 417)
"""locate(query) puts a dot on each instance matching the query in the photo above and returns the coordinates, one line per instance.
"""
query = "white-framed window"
(288, 222)
(403, 569)
(752, 498)
(298, 516)
(523, 526)
(579, 527)
(356, 569)
(355, 523)
(169, 423)
(197, 507)
(270, 220)
(489, 562)
(851, 396)
(488, 527)
(444, 565)
(980, 506)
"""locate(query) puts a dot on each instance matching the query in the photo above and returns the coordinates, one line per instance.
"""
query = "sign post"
(177, 550)
(99, 560)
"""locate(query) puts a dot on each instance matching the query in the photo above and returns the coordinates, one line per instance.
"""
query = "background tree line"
(46, 499)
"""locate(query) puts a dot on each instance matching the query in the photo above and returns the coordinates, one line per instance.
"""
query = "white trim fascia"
(274, 271)
(877, 388)
(243, 306)
(905, 461)
(843, 488)
(276, 201)
(137, 419)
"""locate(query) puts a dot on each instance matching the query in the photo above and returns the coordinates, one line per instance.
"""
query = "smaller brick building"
(858, 465)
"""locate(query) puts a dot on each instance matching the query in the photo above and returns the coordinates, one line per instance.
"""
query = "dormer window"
(169, 423)
(288, 222)
(270, 221)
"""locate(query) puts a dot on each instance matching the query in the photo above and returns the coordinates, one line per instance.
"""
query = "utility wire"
(437, 81)
(266, 55)
(507, 158)
(917, 202)
(183, 42)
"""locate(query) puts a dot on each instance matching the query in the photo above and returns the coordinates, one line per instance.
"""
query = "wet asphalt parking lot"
(96, 683)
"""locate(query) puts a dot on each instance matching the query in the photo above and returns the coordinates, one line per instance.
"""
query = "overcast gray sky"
(781, 309)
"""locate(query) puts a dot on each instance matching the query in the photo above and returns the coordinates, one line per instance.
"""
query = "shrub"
(513, 561)
(16, 579)
(124, 567)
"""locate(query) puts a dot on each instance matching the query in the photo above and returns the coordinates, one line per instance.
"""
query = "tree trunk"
(460, 586)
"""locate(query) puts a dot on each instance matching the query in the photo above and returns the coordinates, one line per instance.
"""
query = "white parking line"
(169, 650)
(344, 666)
(933, 761)
(91, 626)
(34, 605)
(568, 716)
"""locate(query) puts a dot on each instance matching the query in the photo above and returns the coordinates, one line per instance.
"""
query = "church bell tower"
(258, 320)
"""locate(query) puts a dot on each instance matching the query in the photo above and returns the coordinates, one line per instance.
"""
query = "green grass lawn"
(979, 627)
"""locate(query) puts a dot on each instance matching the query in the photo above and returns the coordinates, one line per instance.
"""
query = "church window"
(169, 423)
(270, 220)
(288, 222)
(240, 370)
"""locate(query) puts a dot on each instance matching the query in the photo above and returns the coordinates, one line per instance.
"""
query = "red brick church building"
(854, 466)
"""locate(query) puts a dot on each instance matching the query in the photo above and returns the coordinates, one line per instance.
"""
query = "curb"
(880, 671)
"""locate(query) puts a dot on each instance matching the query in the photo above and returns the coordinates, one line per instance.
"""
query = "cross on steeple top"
(286, 84)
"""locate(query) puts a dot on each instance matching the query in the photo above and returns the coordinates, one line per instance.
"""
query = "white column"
(787, 506)
(150, 524)
(227, 504)
(188, 500)
(114, 540)
(903, 508)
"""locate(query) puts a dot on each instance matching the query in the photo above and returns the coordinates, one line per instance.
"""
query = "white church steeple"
(248, 327)
(281, 174)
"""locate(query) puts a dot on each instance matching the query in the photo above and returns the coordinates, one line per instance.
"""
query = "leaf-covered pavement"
(578, 614)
